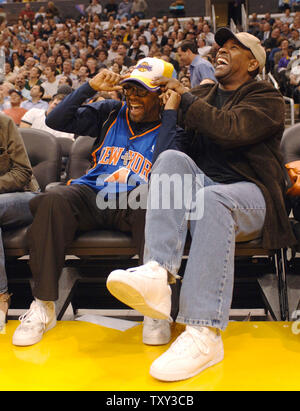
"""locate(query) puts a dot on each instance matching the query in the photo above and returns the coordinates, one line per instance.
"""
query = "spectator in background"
(35, 100)
(124, 9)
(16, 112)
(203, 49)
(135, 53)
(287, 18)
(209, 36)
(139, 8)
(122, 50)
(94, 8)
(36, 118)
(20, 83)
(27, 13)
(82, 77)
(111, 9)
(67, 70)
(265, 33)
(200, 69)
(254, 24)
(34, 78)
(52, 12)
(185, 81)
(51, 84)
(295, 39)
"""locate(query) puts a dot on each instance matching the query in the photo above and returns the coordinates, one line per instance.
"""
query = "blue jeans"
(227, 213)
(14, 212)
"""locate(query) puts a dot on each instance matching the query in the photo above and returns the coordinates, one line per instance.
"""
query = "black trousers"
(61, 213)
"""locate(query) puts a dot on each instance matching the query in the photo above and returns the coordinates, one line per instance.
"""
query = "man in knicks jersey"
(128, 136)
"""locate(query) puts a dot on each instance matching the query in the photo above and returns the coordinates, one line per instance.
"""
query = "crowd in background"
(47, 55)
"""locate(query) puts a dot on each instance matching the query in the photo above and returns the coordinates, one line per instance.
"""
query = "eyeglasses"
(137, 91)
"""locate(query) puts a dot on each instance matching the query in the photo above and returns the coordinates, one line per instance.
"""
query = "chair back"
(290, 144)
(80, 157)
(44, 153)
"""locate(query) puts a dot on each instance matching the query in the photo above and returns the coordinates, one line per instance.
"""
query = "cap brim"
(224, 34)
(141, 82)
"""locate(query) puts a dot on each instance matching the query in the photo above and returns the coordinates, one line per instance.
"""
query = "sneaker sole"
(156, 341)
(33, 341)
(134, 299)
(184, 375)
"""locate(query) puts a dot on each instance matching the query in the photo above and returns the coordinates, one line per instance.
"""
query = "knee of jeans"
(169, 160)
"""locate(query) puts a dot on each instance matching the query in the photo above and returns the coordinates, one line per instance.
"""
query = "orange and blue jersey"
(124, 159)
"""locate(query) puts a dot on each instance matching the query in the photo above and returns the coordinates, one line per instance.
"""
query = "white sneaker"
(194, 350)
(34, 323)
(156, 332)
(144, 288)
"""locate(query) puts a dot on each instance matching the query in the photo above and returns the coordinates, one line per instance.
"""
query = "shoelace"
(184, 341)
(34, 313)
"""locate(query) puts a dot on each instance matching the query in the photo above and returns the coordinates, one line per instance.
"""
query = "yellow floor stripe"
(83, 356)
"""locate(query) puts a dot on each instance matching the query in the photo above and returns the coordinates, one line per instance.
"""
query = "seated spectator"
(203, 49)
(295, 39)
(113, 50)
(67, 71)
(124, 9)
(144, 45)
(36, 118)
(287, 18)
(120, 61)
(60, 213)
(35, 100)
(51, 84)
(245, 202)
(34, 78)
(17, 187)
(27, 13)
(4, 95)
(20, 83)
(272, 45)
(92, 65)
(52, 12)
(254, 24)
(111, 9)
(209, 36)
(122, 50)
(82, 77)
(139, 8)
(265, 33)
(94, 8)
(135, 53)
(16, 112)
(185, 81)
(9, 75)
(40, 15)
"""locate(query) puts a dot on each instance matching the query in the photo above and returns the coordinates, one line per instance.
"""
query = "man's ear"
(253, 66)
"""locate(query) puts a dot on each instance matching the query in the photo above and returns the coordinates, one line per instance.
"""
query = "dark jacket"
(248, 128)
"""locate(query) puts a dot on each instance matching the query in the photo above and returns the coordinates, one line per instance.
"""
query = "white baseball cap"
(149, 69)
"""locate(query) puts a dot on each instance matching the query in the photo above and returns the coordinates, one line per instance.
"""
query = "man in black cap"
(236, 194)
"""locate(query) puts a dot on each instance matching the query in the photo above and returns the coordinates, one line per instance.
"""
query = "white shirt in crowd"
(36, 118)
